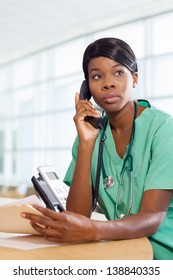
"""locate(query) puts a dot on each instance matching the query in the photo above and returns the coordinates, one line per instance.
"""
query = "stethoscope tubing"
(128, 158)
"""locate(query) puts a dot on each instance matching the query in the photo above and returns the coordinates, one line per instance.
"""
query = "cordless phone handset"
(86, 95)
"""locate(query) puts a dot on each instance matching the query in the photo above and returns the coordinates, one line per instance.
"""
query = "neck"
(123, 128)
(123, 120)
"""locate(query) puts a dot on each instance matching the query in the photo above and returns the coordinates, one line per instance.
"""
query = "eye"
(119, 73)
(96, 77)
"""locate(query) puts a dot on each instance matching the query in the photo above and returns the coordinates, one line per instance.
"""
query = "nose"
(107, 84)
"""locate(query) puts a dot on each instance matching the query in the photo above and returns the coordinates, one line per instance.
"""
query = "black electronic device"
(86, 95)
(50, 188)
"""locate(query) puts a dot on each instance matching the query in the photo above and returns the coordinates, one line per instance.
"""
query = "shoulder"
(156, 118)
(161, 118)
(161, 127)
(154, 126)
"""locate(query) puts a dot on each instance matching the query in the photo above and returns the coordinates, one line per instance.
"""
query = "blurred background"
(41, 48)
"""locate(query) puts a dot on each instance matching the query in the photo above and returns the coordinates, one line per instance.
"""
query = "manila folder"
(10, 215)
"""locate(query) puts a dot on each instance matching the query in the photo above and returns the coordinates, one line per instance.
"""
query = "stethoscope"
(127, 164)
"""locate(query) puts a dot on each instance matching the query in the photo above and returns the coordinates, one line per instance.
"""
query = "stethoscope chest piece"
(122, 216)
(109, 182)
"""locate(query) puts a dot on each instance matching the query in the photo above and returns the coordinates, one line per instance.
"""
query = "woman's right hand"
(85, 130)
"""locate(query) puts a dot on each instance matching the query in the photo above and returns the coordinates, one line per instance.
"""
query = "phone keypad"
(59, 188)
(61, 191)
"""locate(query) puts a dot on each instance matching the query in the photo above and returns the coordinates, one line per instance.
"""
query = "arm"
(72, 227)
(80, 194)
(154, 207)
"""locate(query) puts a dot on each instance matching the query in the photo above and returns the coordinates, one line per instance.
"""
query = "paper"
(25, 242)
(98, 216)
(32, 199)
(16, 232)
(10, 215)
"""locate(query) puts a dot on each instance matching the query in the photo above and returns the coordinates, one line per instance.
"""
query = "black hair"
(113, 48)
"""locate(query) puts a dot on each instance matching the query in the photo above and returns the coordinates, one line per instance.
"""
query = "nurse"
(136, 182)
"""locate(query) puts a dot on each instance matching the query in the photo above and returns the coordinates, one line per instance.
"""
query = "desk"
(132, 249)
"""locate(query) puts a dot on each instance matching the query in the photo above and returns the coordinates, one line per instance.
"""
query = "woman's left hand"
(62, 227)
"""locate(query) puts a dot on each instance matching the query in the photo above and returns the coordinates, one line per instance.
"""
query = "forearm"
(135, 226)
(80, 195)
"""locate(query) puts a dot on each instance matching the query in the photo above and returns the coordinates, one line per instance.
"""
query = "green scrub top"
(152, 152)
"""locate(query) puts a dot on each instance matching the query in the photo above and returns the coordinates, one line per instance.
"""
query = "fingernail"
(23, 215)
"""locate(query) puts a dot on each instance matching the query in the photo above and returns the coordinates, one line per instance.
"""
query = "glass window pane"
(4, 78)
(162, 76)
(6, 105)
(2, 151)
(64, 130)
(133, 34)
(37, 95)
(44, 66)
(164, 104)
(23, 72)
(64, 92)
(161, 34)
(21, 102)
(68, 58)
(61, 160)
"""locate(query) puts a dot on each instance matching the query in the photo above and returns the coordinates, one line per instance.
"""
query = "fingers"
(76, 99)
(59, 227)
(85, 106)
(42, 219)
(52, 239)
(48, 217)
(44, 224)
(85, 109)
(47, 212)
(52, 229)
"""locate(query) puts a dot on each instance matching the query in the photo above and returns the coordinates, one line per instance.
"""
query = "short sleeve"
(160, 173)
(70, 171)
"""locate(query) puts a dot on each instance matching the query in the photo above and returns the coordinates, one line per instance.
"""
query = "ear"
(135, 79)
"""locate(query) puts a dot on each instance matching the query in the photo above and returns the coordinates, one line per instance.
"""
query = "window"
(37, 96)
(1, 151)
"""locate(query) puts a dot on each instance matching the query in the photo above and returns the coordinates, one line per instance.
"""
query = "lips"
(111, 98)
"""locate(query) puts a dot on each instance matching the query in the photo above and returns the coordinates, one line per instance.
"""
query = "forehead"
(102, 62)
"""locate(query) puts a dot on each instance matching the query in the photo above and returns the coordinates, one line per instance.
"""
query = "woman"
(136, 181)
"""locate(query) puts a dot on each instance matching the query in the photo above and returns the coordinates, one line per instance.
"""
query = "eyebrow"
(97, 69)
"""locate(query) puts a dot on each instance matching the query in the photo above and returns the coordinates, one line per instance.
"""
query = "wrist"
(86, 145)
(95, 231)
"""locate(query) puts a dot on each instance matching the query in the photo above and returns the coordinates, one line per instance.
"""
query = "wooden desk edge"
(132, 249)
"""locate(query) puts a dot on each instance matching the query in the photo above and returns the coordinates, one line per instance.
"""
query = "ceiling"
(29, 25)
